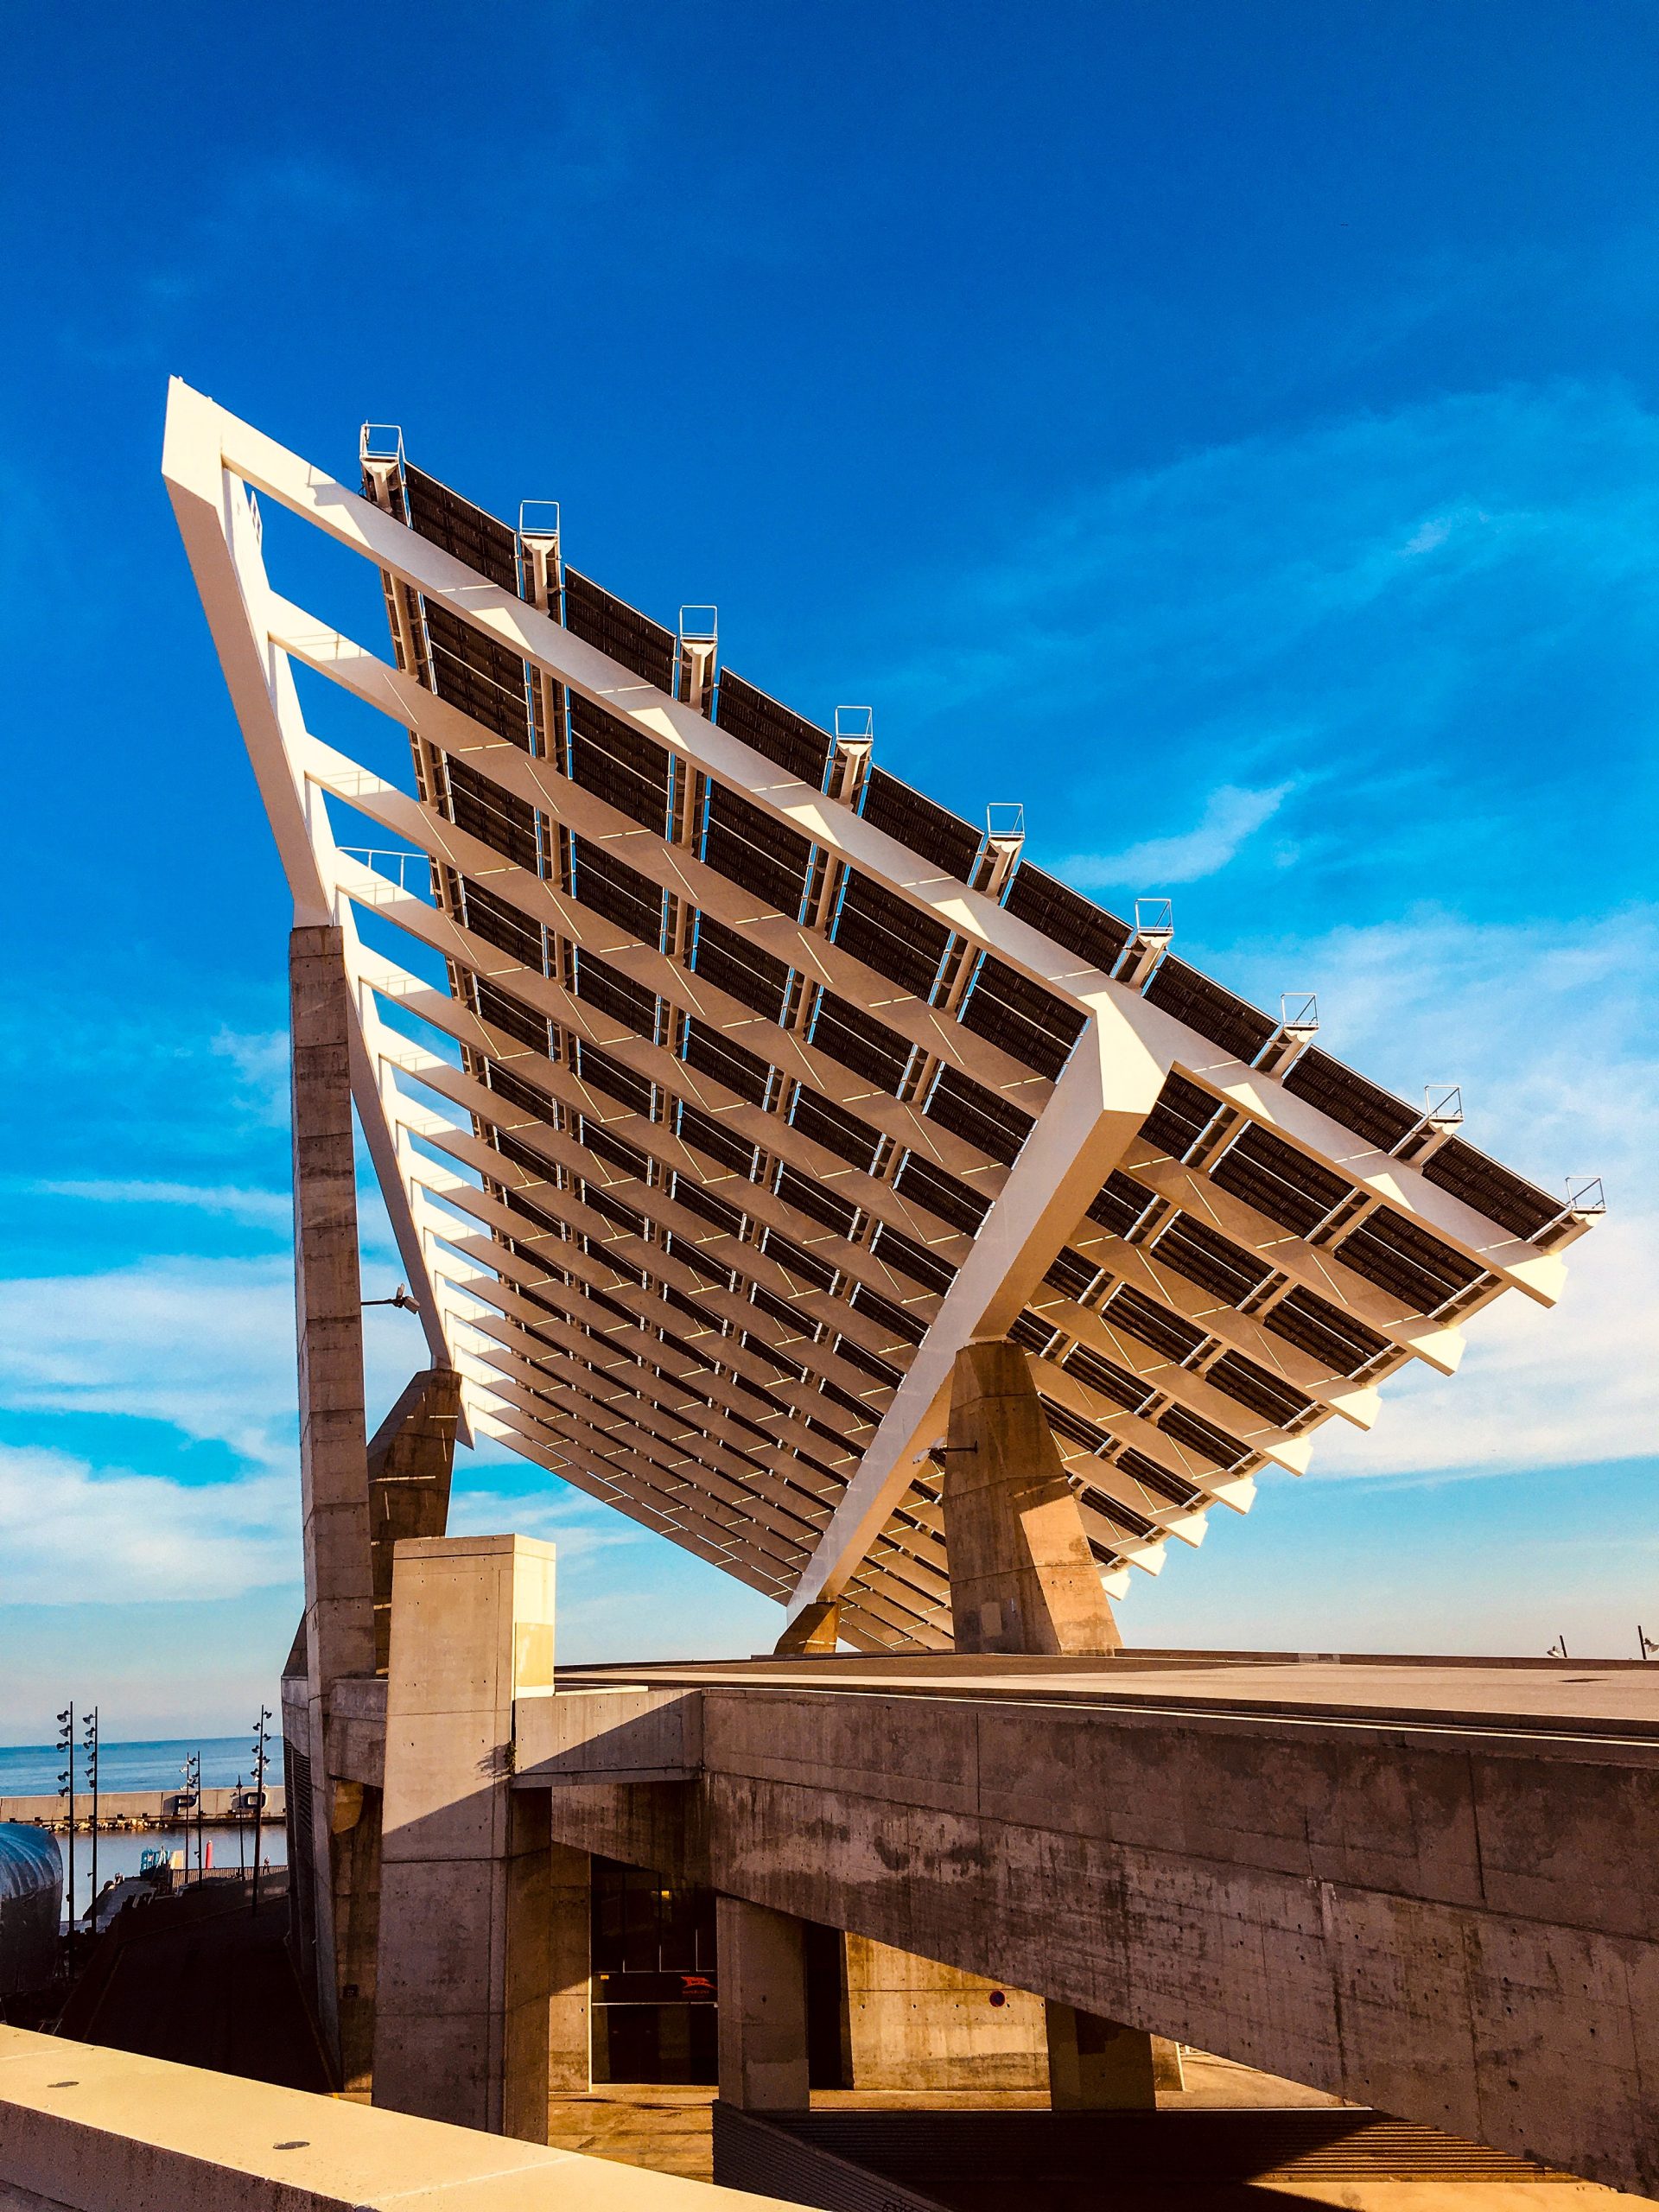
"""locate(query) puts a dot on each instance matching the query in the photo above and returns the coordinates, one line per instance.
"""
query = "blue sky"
(1229, 430)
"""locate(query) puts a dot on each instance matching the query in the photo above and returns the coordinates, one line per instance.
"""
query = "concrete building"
(788, 1163)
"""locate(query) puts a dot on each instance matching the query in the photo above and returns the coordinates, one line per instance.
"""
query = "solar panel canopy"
(723, 1086)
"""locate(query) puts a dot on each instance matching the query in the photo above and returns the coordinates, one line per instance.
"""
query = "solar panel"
(1204, 1256)
(505, 1012)
(609, 991)
(1371, 1112)
(860, 1042)
(1105, 1375)
(1074, 1427)
(941, 1194)
(1264, 1393)
(1063, 914)
(1324, 1331)
(616, 1081)
(728, 1220)
(1406, 1261)
(1515, 1205)
(619, 764)
(876, 926)
(981, 1117)
(1032, 1334)
(911, 1259)
(733, 963)
(834, 1128)
(482, 678)
(621, 894)
(1156, 1325)
(1185, 1426)
(904, 1326)
(781, 735)
(707, 1133)
(1181, 1116)
(620, 1216)
(1278, 1181)
(616, 1152)
(1029, 1023)
(807, 1196)
(502, 925)
(867, 1363)
(933, 831)
(713, 1053)
(1238, 1028)
(444, 519)
(1175, 1489)
(531, 1163)
(1121, 1516)
(522, 1097)
(806, 1265)
(495, 817)
(1120, 1203)
(1071, 1272)
(598, 618)
(751, 848)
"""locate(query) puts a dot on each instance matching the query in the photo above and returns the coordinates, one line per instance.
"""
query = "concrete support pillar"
(814, 1630)
(411, 1457)
(763, 2054)
(570, 1969)
(333, 1455)
(1022, 1578)
(1095, 2065)
(465, 1974)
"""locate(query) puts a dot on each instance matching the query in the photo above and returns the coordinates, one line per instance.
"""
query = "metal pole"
(92, 1763)
(67, 1787)
(258, 1797)
(241, 1836)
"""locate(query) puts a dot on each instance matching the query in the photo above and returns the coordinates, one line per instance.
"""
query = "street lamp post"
(191, 1796)
(66, 1789)
(258, 1797)
(91, 1777)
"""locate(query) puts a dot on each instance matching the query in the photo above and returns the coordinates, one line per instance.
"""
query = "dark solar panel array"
(981, 1116)
(505, 1012)
(708, 1133)
(1070, 1273)
(502, 925)
(834, 1128)
(1169, 1333)
(616, 1081)
(942, 1194)
(1074, 1427)
(713, 1053)
(1238, 1028)
(609, 991)
(1186, 1427)
(938, 835)
(620, 1216)
(781, 735)
(1063, 914)
(690, 1193)
(619, 764)
(1373, 1113)
(1029, 1023)
(1120, 1204)
(1159, 1480)
(495, 817)
(482, 678)
(521, 1096)
(1278, 1181)
(867, 1363)
(1324, 1331)
(1515, 1205)
(1121, 1516)
(1264, 1393)
(807, 1196)
(442, 518)
(1031, 1334)
(901, 1324)
(1406, 1261)
(914, 1260)
(1105, 1375)
(621, 894)
(1204, 1256)
(764, 856)
(522, 1157)
(616, 1152)
(599, 619)
(1180, 1118)
(806, 1265)
(860, 1042)
(728, 960)
(879, 928)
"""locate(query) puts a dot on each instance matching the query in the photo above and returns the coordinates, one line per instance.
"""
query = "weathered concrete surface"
(1095, 2065)
(1022, 1578)
(1453, 1916)
(763, 2064)
(465, 1973)
(411, 1459)
(105, 2131)
(914, 2024)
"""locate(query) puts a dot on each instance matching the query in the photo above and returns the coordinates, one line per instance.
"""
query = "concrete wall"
(149, 1807)
(1458, 1926)
(912, 2023)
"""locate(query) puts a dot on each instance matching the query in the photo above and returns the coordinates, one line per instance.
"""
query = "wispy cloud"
(1232, 814)
(257, 1209)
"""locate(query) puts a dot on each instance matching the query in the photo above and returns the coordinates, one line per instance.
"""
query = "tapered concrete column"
(334, 1453)
(411, 1457)
(463, 2022)
(816, 1630)
(1095, 2065)
(763, 2056)
(569, 1968)
(1022, 1578)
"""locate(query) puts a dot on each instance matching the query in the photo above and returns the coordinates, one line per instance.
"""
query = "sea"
(32, 1770)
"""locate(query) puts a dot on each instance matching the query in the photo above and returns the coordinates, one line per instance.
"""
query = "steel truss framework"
(722, 1087)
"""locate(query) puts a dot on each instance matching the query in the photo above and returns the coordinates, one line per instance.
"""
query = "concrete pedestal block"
(1022, 1576)
(914, 2024)
(569, 1968)
(1095, 2065)
(763, 2050)
(465, 1983)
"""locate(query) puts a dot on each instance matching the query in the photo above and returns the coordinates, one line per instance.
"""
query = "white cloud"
(257, 1209)
(74, 1535)
(1231, 814)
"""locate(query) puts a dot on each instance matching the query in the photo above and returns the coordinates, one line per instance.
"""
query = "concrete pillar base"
(763, 2052)
(1095, 2065)
(816, 1629)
